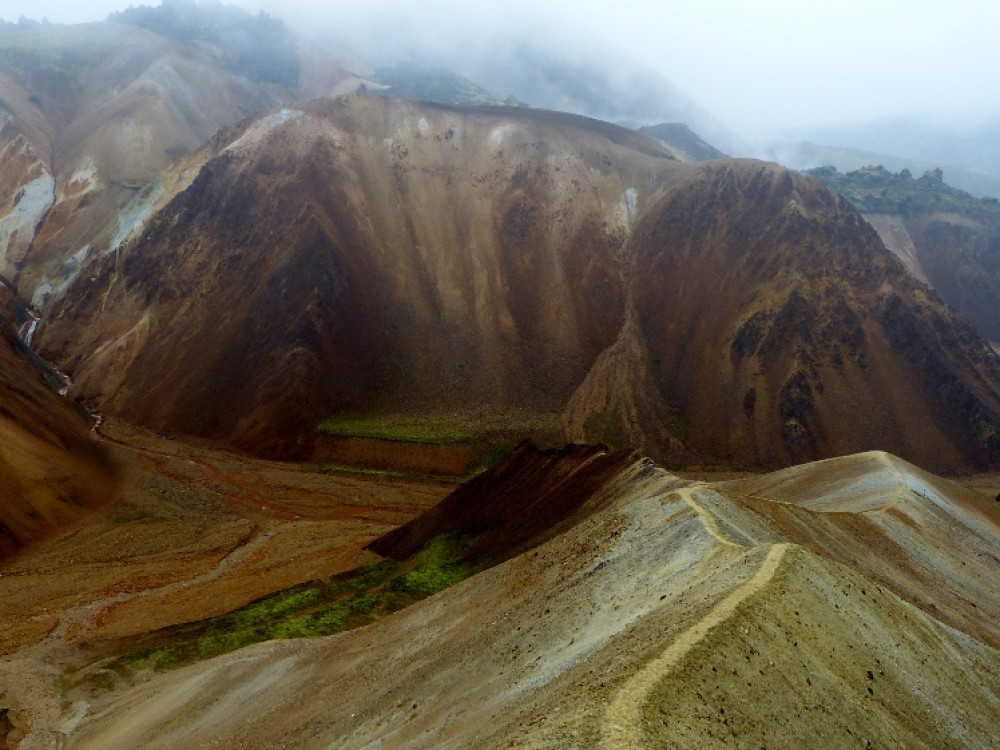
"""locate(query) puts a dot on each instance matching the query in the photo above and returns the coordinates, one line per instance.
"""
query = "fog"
(766, 70)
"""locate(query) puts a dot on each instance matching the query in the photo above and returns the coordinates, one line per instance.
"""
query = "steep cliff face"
(375, 256)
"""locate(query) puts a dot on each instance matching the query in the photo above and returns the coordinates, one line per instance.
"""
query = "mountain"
(363, 254)
(231, 261)
(435, 84)
(946, 237)
(369, 256)
(600, 84)
(91, 115)
(846, 602)
(810, 326)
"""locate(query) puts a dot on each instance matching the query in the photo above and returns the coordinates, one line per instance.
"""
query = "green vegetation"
(440, 429)
(311, 609)
(491, 438)
(876, 190)
(681, 428)
(426, 430)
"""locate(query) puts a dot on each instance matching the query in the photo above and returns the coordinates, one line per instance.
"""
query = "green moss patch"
(316, 608)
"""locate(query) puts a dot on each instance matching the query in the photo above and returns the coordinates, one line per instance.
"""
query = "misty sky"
(760, 67)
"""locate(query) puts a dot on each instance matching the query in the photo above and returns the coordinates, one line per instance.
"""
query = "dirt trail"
(623, 717)
(707, 519)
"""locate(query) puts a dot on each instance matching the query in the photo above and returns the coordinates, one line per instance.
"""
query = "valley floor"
(196, 532)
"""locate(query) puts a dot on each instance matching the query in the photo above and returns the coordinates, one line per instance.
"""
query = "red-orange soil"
(195, 532)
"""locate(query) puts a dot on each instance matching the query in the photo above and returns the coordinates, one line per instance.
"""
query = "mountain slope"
(946, 237)
(365, 255)
(50, 473)
(680, 614)
(93, 113)
(779, 330)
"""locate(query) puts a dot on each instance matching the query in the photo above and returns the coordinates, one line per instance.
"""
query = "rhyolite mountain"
(946, 237)
(373, 256)
(92, 114)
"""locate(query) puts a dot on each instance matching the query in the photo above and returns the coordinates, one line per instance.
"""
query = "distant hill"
(805, 156)
(259, 47)
(598, 84)
(947, 237)
(969, 156)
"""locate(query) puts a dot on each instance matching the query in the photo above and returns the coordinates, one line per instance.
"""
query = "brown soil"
(392, 455)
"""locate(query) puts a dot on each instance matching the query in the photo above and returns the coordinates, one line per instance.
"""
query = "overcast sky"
(759, 67)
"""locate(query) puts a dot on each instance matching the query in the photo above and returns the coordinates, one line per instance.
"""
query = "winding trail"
(707, 519)
(622, 726)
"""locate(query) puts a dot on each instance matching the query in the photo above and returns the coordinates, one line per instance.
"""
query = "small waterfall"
(27, 331)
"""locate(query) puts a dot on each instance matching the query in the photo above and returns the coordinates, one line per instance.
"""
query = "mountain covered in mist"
(222, 243)
(600, 84)
(93, 114)
(365, 255)
(806, 156)
(964, 155)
